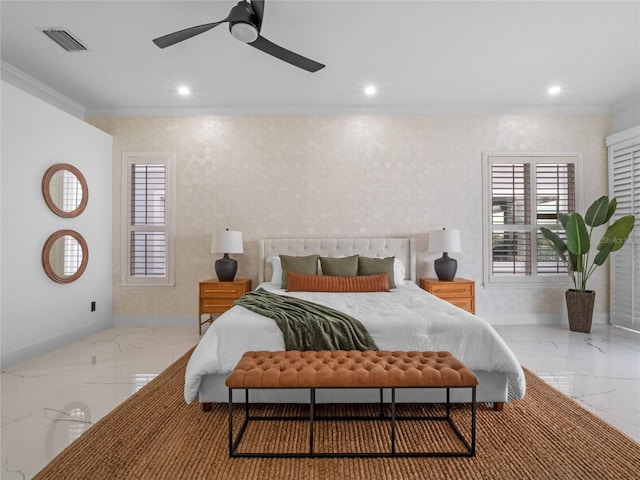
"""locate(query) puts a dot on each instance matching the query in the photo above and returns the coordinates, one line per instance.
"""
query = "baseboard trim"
(536, 319)
(155, 321)
(45, 346)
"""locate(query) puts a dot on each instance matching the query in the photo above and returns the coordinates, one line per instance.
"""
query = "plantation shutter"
(511, 211)
(149, 231)
(148, 236)
(527, 191)
(555, 194)
(624, 185)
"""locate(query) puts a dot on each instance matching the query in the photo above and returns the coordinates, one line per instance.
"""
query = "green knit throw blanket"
(309, 326)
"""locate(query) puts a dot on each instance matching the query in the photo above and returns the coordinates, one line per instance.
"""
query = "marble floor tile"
(50, 400)
(600, 370)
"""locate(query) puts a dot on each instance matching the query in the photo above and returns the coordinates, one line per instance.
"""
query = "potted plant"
(576, 250)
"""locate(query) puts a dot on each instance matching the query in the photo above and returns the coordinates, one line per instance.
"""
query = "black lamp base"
(226, 268)
(445, 268)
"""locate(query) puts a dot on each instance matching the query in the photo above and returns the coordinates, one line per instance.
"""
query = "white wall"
(36, 313)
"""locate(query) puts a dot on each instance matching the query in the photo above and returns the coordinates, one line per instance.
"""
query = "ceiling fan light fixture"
(245, 32)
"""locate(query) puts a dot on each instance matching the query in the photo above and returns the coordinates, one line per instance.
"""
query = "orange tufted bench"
(351, 369)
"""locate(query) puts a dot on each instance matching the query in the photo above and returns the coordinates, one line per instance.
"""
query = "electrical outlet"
(93, 306)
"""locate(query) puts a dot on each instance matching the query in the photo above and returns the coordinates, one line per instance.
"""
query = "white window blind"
(525, 192)
(148, 237)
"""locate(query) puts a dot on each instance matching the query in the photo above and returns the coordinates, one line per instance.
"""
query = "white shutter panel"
(511, 211)
(148, 234)
(624, 179)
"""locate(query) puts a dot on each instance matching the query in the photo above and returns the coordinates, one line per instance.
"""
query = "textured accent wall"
(279, 176)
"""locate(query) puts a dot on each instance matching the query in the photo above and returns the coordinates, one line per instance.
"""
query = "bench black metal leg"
(473, 421)
(230, 421)
(312, 405)
(233, 444)
(393, 421)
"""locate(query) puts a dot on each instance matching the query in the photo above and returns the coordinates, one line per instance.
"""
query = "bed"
(404, 318)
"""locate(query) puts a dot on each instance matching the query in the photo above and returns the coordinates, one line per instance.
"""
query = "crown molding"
(21, 80)
(350, 110)
(29, 84)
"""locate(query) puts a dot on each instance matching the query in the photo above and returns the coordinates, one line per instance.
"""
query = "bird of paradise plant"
(576, 250)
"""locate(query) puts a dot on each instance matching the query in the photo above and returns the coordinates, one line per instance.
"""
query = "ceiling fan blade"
(288, 56)
(258, 9)
(177, 37)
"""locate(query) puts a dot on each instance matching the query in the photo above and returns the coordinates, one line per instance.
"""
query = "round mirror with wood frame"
(65, 190)
(65, 256)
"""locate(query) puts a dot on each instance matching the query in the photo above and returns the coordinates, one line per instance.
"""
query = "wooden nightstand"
(459, 292)
(217, 297)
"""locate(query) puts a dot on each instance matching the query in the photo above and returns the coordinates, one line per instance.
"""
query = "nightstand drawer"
(215, 305)
(452, 289)
(463, 303)
(222, 290)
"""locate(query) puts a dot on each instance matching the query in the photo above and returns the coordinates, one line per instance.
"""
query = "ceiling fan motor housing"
(243, 26)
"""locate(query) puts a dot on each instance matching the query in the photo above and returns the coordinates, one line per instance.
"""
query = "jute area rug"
(155, 435)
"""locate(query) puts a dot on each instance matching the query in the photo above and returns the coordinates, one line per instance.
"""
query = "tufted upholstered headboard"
(401, 248)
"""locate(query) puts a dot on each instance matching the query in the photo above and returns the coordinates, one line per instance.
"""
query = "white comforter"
(406, 318)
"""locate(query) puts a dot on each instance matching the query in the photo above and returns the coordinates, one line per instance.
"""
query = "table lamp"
(445, 241)
(227, 241)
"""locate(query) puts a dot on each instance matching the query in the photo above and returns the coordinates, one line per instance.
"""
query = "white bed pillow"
(276, 270)
(399, 271)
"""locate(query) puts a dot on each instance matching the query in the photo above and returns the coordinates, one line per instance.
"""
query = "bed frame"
(492, 386)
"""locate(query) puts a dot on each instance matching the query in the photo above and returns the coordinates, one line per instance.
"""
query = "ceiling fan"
(245, 22)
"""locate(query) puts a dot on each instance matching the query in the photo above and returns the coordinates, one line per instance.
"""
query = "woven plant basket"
(580, 309)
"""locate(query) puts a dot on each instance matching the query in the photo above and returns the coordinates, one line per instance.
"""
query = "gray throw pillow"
(307, 265)
(340, 267)
(374, 266)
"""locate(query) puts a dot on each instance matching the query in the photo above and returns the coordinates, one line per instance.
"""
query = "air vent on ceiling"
(65, 39)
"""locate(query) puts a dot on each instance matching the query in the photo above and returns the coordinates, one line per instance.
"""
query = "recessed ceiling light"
(370, 90)
(184, 90)
(554, 90)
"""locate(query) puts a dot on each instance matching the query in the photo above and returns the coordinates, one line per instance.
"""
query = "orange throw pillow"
(300, 282)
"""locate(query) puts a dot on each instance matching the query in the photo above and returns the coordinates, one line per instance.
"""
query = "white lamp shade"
(227, 241)
(444, 241)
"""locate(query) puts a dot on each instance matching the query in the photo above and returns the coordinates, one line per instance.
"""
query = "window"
(526, 191)
(148, 219)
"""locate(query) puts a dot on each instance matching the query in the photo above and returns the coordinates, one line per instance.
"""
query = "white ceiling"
(423, 56)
